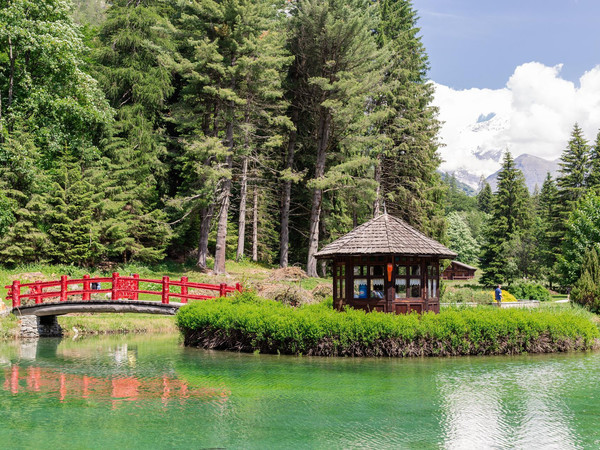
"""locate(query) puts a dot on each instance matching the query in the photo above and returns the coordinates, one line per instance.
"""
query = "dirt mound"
(286, 294)
(322, 291)
(29, 277)
(288, 274)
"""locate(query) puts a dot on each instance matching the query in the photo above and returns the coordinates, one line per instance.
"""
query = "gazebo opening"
(386, 265)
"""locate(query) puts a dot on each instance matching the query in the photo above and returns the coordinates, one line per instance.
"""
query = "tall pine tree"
(408, 160)
(573, 171)
(510, 216)
(593, 176)
(338, 82)
(549, 231)
(485, 198)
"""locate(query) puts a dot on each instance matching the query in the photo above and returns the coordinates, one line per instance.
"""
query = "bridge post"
(165, 289)
(115, 282)
(37, 289)
(86, 288)
(184, 289)
(136, 286)
(34, 327)
(238, 287)
(16, 293)
(63, 288)
(222, 291)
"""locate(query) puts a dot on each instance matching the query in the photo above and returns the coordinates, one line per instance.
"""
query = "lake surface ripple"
(151, 392)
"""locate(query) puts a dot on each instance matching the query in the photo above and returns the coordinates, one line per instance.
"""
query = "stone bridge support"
(39, 326)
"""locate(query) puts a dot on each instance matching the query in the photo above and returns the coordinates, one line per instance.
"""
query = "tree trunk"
(323, 268)
(11, 73)
(221, 247)
(242, 217)
(315, 213)
(284, 238)
(207, 214)
(313, 237)
(377, 203)
(255, 225)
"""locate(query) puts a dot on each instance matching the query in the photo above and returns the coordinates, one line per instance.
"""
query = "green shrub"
(524, 290)
(586, 291)
(248, 323)
(453, 294)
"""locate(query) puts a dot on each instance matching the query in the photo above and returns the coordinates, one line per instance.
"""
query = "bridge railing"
(121, 287)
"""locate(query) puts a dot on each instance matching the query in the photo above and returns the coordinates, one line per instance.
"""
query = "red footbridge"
(109, 294)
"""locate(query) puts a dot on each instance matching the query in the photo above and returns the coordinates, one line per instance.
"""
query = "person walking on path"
(498, 294)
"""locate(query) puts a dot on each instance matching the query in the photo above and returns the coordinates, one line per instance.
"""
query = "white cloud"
(534, 114)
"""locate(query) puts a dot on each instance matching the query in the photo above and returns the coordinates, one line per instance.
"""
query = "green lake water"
(151, 392)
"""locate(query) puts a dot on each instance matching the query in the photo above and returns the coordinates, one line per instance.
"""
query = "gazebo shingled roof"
(385, 234)
(466, 266)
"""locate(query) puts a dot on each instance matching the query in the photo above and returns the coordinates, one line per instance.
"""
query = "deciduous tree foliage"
(582, 234)
(43, 90)
(586, 291)
(461, 240)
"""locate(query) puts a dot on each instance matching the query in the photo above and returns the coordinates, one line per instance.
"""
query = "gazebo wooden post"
(388, 284)
(424, 285)
(335, 281)
(349, 279)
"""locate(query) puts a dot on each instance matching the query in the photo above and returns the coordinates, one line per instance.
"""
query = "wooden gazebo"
(386, 265)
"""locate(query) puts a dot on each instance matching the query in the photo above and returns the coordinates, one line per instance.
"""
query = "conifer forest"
(204, 130)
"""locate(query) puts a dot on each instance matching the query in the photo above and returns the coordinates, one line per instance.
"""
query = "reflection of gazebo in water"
(386, 265)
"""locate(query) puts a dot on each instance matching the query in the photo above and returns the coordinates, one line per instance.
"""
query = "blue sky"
(479, 43)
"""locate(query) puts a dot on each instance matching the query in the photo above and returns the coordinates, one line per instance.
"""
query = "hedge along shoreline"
(247, 323)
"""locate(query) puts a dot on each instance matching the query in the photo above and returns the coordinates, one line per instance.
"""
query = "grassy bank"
(94, 324)
(248, 323)
(9, 327)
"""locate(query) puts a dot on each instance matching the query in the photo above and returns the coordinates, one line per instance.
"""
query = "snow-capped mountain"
(485, 144)
(534, 169)
(482, 146)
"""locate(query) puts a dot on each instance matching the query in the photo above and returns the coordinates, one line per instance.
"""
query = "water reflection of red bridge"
(116, 389)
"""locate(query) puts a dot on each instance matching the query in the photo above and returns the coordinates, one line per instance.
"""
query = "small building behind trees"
(386, 265)
(459, 271)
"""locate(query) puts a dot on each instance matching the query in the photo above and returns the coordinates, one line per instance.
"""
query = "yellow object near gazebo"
(506, 296)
